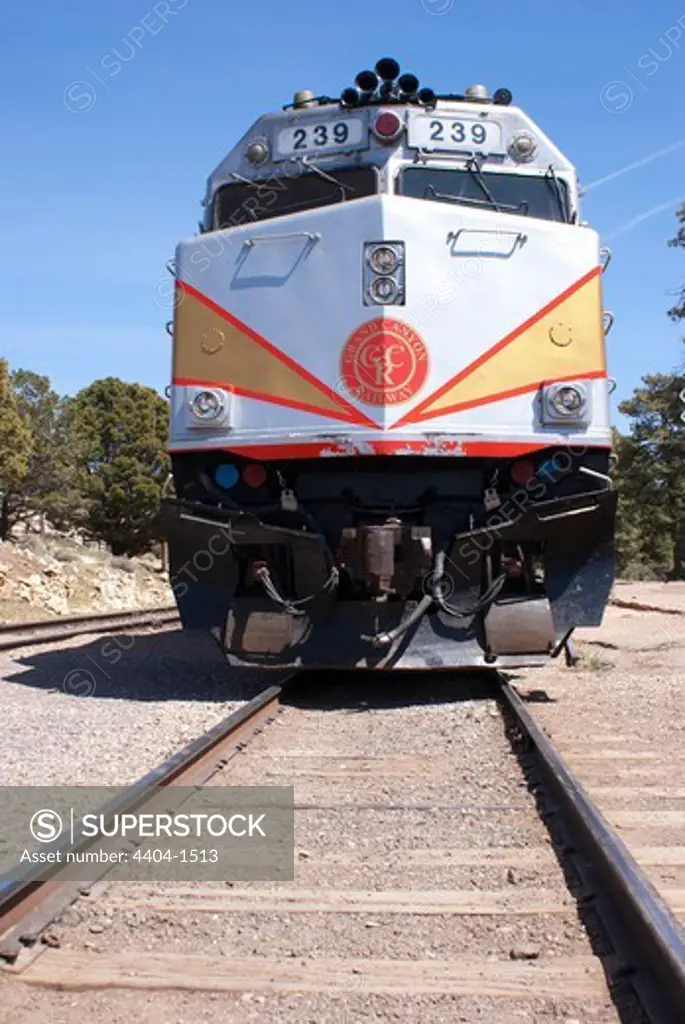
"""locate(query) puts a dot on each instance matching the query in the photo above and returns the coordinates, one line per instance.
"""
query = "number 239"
(458, 132)
(322, 135)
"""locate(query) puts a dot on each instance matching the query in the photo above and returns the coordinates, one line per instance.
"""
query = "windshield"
(526, 195)
(249, 201)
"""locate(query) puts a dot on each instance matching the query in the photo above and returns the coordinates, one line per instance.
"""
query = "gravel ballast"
(391, 776)
(104, 710)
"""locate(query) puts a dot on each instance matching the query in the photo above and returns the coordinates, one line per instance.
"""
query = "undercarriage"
(392, 562)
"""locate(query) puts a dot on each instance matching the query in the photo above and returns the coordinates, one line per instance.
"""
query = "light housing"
(383, 259)
(503, 97)
(384, 273)
(522, 471)
(258, 151)
(387, 126)
(207, 408)
(384, 291)
(523, 146)
(568, 401)
(226, 475)
(304, 98)
(254, 474)
(207, 405)
(565, 402)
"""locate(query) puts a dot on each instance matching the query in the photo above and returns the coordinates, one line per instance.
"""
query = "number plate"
(317, 137)
(453, 133)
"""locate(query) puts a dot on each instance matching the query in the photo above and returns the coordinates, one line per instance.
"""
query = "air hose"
(483, 602)
(434, 595)
(294, 607)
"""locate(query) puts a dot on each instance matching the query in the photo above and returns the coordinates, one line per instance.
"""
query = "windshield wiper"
(474, 169)
(253, 184)
(329, 177)
(472, 201)
(553, 182)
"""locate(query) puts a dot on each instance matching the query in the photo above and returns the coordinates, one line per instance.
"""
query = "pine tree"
(48, 484)
(630, 556)
(652, 459)
(677, 312)
(119, 431)
(15, 447)
(650, 468)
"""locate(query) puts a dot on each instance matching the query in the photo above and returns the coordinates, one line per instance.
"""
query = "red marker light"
(254, 475)
(387, 126)
(523, 471)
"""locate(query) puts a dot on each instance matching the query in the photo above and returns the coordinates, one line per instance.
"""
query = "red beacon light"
(387, 126)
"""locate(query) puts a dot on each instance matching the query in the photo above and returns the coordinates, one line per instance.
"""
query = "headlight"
(523, 146)
(258, 151)
(384, 290)
(568, 400)
(207, 405)
(565, 403)
(384, 273)
(383, 259)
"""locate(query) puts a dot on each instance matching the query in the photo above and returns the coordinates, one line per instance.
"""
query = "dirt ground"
(43, 577)
(662, 595)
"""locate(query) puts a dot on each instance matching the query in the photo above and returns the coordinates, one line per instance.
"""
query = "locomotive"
(390, 436)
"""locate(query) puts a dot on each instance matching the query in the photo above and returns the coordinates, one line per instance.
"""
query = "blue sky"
(95, 197)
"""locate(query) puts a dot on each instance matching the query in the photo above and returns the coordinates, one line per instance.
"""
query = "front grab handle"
(311, 236)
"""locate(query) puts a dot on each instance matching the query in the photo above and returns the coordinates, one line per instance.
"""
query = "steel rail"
(29, 904)
(640, 606)
(648, 938)
(43, 631)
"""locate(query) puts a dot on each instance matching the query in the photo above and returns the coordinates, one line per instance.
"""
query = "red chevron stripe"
(418, 413)
(348, 412)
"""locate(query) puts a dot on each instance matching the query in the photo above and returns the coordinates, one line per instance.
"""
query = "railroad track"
(640, 606)
(467, 850)
(643, 930)
(20, 634)
(28, 906)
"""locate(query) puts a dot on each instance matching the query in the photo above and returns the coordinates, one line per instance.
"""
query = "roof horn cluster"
(386, 85)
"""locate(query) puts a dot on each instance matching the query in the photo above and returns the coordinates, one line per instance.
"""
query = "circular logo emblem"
(46, 825)
(384, 362)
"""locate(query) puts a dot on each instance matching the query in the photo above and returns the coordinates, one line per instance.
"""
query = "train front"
(389, 428)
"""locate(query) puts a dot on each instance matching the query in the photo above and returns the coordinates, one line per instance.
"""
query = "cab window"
(526, 195)
(246, 202)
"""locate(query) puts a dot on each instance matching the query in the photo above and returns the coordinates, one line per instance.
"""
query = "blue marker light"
(227, 476)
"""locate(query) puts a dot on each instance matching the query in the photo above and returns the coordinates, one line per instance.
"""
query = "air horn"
(349, 97)
(408, 86)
